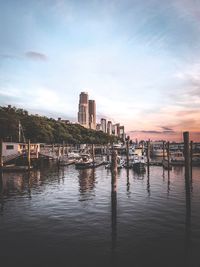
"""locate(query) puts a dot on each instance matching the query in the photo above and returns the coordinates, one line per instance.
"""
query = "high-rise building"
(83, 114)
(98, 127)
(109, 127)
(122, 133)
(92, 114)
(118, 129)
(103, 125)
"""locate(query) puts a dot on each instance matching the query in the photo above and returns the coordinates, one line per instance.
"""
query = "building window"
(9, 147)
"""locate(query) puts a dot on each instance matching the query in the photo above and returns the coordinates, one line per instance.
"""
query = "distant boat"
(166, 165)
(177, 158)
(120, 163)
(138, 162)
(85, 161)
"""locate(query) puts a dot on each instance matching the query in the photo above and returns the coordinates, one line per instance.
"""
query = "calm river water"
(70, 217)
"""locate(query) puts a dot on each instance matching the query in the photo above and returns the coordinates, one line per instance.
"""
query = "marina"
(62, 215)
(100, 133)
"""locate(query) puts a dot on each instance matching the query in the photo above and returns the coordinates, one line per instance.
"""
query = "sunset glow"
(140, 61)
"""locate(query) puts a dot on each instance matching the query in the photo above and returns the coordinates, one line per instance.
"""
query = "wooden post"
(191, 152)
(187, 154)
(1, 153)
(108, 156)
(163, 150)
(53, 150)
(168, 155)
(93, 153)
(191, 157)
(67, 150)
(63, 148)
(114, 161)
(37, 151)
(59, 152)
(148, 153)
(127, 152)
(29, 154)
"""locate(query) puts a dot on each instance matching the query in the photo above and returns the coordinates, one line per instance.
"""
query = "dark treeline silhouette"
(46, 130)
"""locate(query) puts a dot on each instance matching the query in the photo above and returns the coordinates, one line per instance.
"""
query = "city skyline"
(138, 59)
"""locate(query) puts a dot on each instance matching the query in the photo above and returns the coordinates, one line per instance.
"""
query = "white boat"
(85, 161)
(177, 158)
(138, 162)
(157, 150)
(120, 163)
(69, 159)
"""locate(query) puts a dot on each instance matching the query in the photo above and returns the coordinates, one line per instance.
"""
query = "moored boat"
(85, 161)
(120, 163)
(177, 158)
(138, 163)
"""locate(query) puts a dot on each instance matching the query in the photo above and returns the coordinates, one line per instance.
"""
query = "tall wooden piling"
(187, 154)
(191, 158)
(29, 154)
(114, 161)
(168, 157)
(191, 153)
(1, 153)
(163, 150)
(127, 152)
(148, 154)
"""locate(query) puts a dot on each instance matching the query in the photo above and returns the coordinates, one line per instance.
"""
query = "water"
(77, 218)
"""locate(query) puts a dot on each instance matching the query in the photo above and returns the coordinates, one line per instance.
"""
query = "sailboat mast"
(19, 134)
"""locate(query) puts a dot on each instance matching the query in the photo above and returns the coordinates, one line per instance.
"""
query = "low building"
(16, 149)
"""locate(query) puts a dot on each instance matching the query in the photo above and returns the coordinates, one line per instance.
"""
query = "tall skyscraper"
(109, 127)
(83, 114)
(92, 114)
(103, 125)
(122, 133)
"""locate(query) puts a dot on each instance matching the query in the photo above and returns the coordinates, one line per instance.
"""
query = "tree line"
(46, 130)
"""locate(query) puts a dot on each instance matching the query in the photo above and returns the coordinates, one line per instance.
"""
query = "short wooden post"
(29, 154)
(187, 154)
(37, 151)
(63, 148)
(53, 150)
(67, 150)
(1, 153)
(93, 153)
(108, 155)
(59, 152)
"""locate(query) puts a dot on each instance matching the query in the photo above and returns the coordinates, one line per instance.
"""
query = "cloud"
(167, 129)
(152, 132)
(36, 56)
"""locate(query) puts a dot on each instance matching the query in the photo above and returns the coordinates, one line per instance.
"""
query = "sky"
(139, 59)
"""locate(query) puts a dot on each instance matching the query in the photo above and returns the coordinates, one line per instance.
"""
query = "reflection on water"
(188, 178)
(86, 180)
(118, 218)
(86, 183)
(148, 181)
(114, 207)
